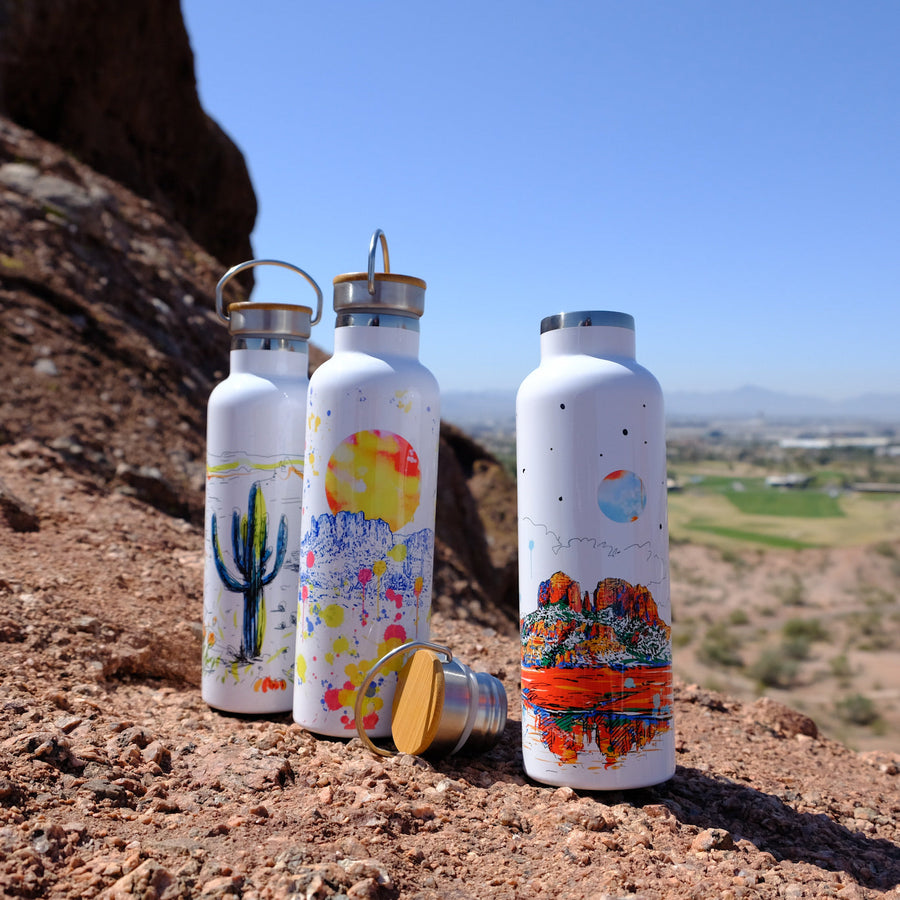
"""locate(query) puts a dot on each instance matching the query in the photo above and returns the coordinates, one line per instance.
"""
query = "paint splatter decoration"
(367, 545)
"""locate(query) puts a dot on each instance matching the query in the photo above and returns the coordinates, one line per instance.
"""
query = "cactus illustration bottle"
(254, 482)
(593, 560)
(367, 546)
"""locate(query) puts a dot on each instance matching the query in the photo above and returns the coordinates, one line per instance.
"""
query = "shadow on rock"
(774, 827)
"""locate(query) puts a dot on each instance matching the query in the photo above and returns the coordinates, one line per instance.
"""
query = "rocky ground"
(117, 781)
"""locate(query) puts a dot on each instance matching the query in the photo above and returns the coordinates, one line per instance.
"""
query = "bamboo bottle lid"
(418, 703)
(438, 707)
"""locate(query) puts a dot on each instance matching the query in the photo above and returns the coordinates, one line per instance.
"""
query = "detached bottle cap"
(439, 707)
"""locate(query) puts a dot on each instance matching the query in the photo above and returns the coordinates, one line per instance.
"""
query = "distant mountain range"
(466, 408)
(749, 401)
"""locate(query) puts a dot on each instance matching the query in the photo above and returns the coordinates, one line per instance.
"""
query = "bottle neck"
(377, 341)
(292, 362)
(603, 341)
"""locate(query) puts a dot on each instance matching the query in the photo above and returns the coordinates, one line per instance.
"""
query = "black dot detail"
(624, 431)
(562, 405)
(560, 499)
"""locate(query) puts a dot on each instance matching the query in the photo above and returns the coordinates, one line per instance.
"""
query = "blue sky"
(728, 173)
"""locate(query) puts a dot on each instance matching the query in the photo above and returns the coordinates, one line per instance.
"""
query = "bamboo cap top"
(418, 703)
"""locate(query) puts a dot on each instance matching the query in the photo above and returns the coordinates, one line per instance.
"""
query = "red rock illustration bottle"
(593, 560)
(367, 549)
(254, 482)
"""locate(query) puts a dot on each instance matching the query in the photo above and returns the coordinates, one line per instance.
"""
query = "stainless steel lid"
(267, 319)
(287, 320)
(379, 292)
(439, 707)
(586, 318)
(399, 294)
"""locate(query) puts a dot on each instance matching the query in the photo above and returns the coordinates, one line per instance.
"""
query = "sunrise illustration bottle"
(593, 560)
(367, 545)
(254, 482)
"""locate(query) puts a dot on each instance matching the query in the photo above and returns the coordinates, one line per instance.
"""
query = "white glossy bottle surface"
(367, 550)
(593, 564)
(254, 483)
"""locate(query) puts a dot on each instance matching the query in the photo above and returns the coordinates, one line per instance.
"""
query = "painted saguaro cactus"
(249, 546)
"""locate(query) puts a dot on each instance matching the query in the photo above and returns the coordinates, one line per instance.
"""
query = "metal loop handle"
(370, 677)
(220, 301)
(373, 247)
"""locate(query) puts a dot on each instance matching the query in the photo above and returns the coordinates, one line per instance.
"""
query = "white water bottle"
(254, 483)
(367, 551)
(593, 560)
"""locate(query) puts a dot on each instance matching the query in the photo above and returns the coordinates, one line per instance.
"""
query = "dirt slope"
(117, 781)
(115, 778)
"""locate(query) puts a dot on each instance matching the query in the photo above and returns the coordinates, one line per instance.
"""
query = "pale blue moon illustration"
(621, 496)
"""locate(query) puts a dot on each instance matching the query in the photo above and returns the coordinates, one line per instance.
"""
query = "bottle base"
(249, 706)
(322, 730)
(601, 782)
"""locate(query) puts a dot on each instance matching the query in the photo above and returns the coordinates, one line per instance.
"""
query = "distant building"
(860, 442)
(794, 480)
(871, 487)
(806, 443)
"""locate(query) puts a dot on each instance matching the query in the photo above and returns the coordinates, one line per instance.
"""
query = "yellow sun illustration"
(375, 473)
